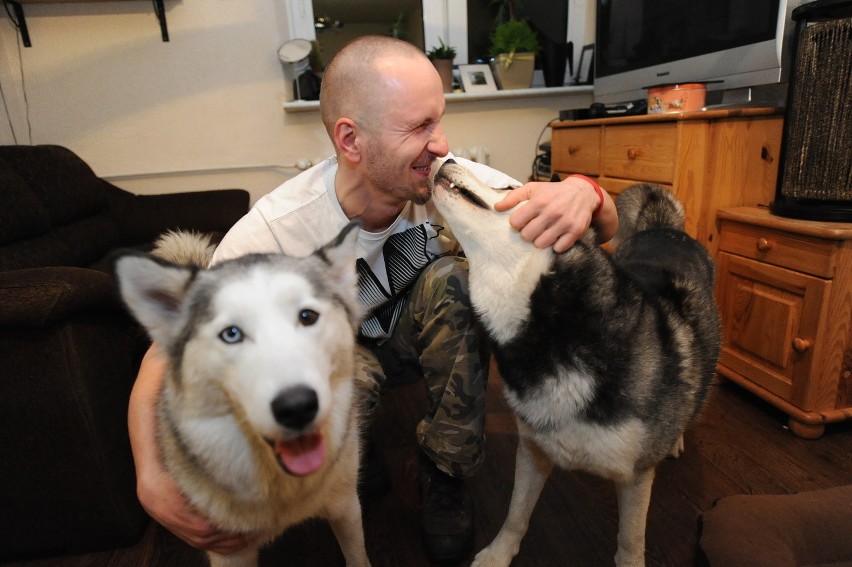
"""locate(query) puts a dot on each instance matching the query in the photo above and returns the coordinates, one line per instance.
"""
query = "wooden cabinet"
(784, 288)
(710, 159)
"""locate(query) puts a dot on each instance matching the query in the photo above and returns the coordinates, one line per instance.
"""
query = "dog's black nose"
(450, 160)
(295, 407)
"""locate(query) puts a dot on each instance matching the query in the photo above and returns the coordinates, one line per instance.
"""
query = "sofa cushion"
(40, 297)
(64, 184)
(789, 530)
(22, 213)
(80, 243)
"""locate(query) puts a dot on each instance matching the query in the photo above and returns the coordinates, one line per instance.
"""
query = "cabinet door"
(771, 321)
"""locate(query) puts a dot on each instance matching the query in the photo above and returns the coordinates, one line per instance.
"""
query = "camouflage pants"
(437, 338)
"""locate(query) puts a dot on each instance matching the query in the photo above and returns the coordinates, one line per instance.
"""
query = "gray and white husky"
(605, 359)
(257, 420)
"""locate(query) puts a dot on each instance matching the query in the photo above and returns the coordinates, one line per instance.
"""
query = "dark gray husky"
(606, 359)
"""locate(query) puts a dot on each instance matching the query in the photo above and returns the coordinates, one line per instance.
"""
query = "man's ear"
(346, 139)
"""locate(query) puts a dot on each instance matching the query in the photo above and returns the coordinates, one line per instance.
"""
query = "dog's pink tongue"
(303, 455)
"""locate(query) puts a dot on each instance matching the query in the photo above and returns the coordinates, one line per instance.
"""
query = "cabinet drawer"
(642, 152)
(802, 253)
(576, 150)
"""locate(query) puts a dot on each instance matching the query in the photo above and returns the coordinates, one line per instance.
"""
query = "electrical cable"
(11, 17)
(24, 91)
(17, 26)
(2, 92)
(538, 156)
(8, 115)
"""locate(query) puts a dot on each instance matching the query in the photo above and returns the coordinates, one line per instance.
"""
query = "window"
(444, 19)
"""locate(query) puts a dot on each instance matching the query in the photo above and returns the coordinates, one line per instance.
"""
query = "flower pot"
(514, 71)
(445, 69)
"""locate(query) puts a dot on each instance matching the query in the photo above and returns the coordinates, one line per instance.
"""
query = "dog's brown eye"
(308, 317)
(232, 335)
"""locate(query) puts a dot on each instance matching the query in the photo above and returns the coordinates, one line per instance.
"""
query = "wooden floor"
(740, 446)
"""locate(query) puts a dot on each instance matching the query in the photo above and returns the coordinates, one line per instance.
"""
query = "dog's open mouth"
(445, 179)
(301, 455)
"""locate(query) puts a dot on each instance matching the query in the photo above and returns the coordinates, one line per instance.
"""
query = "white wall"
(99, 80)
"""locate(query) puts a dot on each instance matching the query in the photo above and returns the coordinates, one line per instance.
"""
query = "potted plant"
(442, 58)
(514, 45)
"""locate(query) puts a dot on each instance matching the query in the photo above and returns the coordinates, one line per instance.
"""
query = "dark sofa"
(69, 350)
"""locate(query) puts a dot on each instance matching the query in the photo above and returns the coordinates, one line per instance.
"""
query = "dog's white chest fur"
(501, 290)
(570, 441)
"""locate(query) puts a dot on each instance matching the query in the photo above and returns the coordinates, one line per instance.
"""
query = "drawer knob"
(632, 154)
(801, 345)
(763, 245)
(573, 150)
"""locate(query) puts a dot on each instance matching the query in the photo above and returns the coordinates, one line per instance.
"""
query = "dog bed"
(811, 529)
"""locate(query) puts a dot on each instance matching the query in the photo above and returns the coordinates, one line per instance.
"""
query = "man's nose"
(438, 142)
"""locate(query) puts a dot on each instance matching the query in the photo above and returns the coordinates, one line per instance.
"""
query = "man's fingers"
(203, 535)
(225, 543)
(512, 198)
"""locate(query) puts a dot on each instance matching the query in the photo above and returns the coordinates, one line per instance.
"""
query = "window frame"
(442, 19)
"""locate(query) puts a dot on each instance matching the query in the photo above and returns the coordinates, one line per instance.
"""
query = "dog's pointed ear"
(154, 291)
(342, 250)
(341, 254)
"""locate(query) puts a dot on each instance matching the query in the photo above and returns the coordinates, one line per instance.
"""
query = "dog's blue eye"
(232, 335)
(308, 317)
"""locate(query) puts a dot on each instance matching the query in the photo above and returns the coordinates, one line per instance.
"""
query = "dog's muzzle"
(295, 409)
(451, 176)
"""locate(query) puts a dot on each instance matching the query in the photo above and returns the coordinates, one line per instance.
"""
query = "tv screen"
(730, 44)
(640, 33)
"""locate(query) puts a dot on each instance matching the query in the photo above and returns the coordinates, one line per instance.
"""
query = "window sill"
(313, 105)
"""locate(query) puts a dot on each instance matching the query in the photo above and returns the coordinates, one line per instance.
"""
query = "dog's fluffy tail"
(644, 206)
(186, 248)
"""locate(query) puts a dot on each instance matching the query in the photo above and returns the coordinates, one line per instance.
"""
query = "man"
(382, 102)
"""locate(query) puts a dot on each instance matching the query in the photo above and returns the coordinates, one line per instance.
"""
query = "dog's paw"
(492, 557)
(677, 448)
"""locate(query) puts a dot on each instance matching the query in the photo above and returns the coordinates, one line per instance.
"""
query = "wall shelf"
(21, 20)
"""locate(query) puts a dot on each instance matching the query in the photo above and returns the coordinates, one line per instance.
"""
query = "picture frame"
(477, 78)
(586, 66)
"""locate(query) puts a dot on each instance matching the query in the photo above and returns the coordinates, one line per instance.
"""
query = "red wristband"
(597, 189)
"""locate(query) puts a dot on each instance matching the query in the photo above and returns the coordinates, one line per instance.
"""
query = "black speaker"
(815, 181)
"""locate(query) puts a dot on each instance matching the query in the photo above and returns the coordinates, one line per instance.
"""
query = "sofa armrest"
(70, 356)
(145, 217)
(39, 296)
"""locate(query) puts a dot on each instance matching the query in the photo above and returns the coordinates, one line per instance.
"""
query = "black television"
(738, 47)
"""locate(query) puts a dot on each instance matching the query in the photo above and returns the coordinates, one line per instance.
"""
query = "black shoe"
(373, 477)
(447, 524)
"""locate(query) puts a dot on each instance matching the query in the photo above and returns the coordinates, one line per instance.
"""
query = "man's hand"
(164, 502)
(157, 491)
(557, 214)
